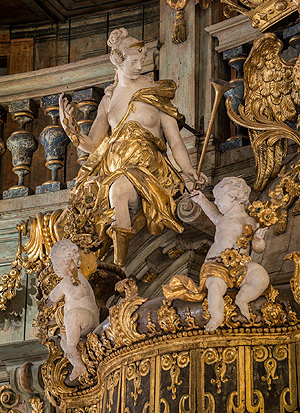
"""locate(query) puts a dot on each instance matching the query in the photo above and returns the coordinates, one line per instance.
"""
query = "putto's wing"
(268, 95)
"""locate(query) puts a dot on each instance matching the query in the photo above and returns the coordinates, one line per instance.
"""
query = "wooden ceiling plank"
(37, 5)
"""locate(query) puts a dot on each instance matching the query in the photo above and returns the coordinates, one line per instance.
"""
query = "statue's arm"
(99, 129)
(207, 206)
(258, 241)
(57, 293)
(177, 146)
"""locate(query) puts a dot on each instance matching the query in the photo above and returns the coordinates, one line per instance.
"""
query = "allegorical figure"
(81, 314)
(227, 263)
(127, 146)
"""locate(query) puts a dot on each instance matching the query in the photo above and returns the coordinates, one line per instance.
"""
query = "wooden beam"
(37, 6)
(96, 71)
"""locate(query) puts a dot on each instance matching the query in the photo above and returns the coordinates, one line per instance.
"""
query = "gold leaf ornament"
(179, 27)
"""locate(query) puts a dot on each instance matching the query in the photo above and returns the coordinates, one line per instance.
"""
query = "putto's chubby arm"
(208, 207)
(98, 130)
(57, 292)
(258, 242)
(177, 146)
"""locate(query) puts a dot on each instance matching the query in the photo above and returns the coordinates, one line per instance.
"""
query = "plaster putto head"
(233, 186)
(123, 45)
(61, 255)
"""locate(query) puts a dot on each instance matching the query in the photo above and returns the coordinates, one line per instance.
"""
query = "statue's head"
(229, 191)
(64, 255)
(127, 53)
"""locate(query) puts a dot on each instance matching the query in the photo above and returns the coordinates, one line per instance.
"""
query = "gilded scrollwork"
(9, 399)
(37, 405)
(10, 282)
(135, 371)
(220, 357)
(123, 324)
(269, 357)
(190, 320)
(174, 362)
(295, 280)
(112, 382)
(274, 313)
(168, 319)
(151, 326)
(54, 372)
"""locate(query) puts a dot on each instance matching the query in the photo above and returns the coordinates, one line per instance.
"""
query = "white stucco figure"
(230, 218)
(127, 146)
(81, 314)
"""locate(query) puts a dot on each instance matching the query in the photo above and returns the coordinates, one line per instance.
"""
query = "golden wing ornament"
(268, 98)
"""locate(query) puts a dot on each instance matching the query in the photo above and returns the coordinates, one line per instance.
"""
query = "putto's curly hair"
(236, 187)
(65, 248)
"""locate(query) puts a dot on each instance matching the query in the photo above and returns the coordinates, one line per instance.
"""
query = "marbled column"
(54, 140)
(236, 58)
(22, 145)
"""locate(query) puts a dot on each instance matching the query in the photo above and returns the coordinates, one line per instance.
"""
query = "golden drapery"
(183, 288)
(133, 151)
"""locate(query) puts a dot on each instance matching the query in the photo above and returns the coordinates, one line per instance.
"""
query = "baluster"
(22, 145)
(54, 141)
(87, 101)
(236, 58)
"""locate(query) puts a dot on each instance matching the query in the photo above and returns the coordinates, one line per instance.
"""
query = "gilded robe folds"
(133, 151)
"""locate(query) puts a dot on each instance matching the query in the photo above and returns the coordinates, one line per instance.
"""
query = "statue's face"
(133, 65)
(61, 265)
(225, 202)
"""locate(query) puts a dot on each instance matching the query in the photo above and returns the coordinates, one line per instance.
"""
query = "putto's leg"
(73, 329)
(216, 288)
(254, 284)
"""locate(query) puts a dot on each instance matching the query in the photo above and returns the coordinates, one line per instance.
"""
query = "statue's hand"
(201, 180)
(67, 119)
(260, 233)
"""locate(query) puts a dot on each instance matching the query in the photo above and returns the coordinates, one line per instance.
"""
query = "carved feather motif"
(272, 89)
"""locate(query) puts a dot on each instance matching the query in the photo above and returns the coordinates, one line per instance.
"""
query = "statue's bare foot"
(77, 371)
(244, 308)
(212, 325)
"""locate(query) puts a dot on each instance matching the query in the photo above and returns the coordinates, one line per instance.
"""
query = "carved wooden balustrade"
(31, 100)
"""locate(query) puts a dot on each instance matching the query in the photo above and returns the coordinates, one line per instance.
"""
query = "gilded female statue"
(127, 149)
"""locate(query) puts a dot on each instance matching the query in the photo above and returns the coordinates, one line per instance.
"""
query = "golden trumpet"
(220, 87)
